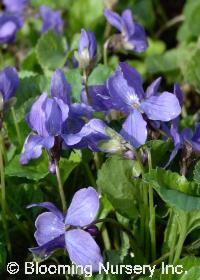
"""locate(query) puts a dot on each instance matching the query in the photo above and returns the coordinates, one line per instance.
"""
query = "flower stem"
(3, 196)
(60, 187)
(85, 83)
(106, 239)
(152, 214)
(105, 52)
(90, 174)
(16, 125)
(110, 220)
(170, 23)
(144, 209)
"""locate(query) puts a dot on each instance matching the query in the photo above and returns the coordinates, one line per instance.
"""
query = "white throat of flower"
(135, 102)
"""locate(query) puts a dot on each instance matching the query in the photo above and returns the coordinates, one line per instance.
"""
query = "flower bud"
(87, 50)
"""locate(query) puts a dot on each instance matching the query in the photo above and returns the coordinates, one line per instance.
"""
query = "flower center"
(135, 102)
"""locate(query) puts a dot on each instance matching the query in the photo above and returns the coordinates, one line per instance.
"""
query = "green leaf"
(58, 4)
(30, 62)
(51, 50)
(146, 11)
(173, 180)
(99, 75)
(191, 70)
(68, 165)
(116, 182)
(171, 60)
(197, 172)
(35, 170)
(74, 78)
(88, 15)
(174, 189)
(155, 47)
(192, 18)
(31, 87)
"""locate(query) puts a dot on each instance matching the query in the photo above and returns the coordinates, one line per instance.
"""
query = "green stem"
(147, 219)
(4, 154)
(106, 239)
(110, 220)
(182, 236)
(152, 224)
(90, 175)
(97, 160)
(16, 126)
(152, 214)
(133, 241)
(142, 219)
(170, 23)
(105, 52)
(3, 196)
(60, 187)
(144, 209)
(85, 82)
(69, 55)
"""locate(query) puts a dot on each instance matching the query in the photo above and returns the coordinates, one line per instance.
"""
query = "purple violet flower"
(132, 34)
(9, 25)
(51, 20)
(87, 50)
(9, 82)
(127, 95)
(98, 137)
(99, 98)
(88, 137)
(46, 120)
(78, 112)
(15, 6)
(184, 138)
(71, 231)
(52, 119)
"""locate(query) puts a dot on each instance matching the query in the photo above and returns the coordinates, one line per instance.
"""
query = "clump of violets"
(87, 51)
(72, 230)
(9, 25)
(51, 20)
(132, 36)
(15, 6)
